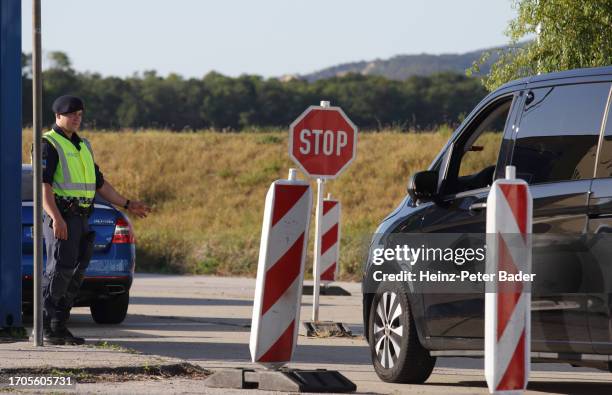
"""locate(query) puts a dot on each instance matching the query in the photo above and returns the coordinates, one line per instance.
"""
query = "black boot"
(70, 339)
(53, 337)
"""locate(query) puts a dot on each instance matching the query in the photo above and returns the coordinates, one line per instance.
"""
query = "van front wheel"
(397, 354)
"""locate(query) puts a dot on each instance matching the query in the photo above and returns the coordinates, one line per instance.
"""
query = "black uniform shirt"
(50, 158)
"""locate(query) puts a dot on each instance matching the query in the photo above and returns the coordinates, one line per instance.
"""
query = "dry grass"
(207, 190)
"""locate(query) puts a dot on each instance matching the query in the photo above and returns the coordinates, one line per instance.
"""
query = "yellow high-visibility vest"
(75, 175)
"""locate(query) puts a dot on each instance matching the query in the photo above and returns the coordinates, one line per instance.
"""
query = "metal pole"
(37, 334)
(292, 174)
(316, 267)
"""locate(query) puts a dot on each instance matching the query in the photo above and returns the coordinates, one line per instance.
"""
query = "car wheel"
(110, 311)
(397, 354)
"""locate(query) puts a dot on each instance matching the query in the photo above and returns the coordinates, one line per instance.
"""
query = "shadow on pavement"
(239, 352)
(333, 290)
(165, 301)
(577, 388)
(173, 301)
(478, 363)
(172, 323)
(565, 387)
(135, 322)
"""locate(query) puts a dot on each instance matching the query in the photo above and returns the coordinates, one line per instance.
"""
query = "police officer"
(70, 181)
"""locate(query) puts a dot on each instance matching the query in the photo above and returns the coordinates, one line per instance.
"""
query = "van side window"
(558, 133)
(475, 153)
(604, 163)
(482, 148)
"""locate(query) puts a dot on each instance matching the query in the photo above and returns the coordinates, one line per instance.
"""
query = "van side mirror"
(423, 185)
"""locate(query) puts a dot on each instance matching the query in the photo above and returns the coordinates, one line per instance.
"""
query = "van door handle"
(478, 206)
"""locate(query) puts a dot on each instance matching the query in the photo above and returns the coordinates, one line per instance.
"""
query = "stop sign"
(323, 141)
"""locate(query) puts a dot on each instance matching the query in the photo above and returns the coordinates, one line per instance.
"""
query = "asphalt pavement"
(205, 321)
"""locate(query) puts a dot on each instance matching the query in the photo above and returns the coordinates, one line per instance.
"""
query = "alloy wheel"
(388, 329)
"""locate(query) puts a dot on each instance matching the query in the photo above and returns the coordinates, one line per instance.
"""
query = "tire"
(397, 354)
(110, 311)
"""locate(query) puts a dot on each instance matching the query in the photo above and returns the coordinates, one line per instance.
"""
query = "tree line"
(219, 102)
(569, 35)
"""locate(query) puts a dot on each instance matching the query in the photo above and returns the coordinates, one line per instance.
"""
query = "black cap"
(67, 104)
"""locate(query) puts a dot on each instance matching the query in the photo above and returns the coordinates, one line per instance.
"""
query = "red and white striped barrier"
(280, 271)
(507, 309)
(330, 240)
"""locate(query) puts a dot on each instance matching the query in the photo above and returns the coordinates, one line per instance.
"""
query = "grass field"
(207, 191)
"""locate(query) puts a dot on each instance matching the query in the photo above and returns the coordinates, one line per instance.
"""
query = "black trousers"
(67, 261)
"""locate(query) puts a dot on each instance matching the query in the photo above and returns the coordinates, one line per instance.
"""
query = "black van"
(556, 129)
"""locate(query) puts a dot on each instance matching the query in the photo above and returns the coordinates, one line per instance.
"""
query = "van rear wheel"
(397, 354)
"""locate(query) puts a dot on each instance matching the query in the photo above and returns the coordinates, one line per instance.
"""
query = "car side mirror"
(423, 185)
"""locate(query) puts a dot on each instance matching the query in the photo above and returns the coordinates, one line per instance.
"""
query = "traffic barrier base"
(329, 290)
(284, 380)
(326, 329)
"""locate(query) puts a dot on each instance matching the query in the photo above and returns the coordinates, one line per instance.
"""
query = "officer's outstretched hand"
(60, 230)
(139, 209)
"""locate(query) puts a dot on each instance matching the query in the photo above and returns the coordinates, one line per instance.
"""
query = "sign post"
(323, 142)
(316, 267)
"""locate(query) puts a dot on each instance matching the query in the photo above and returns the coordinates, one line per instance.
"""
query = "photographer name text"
(463, 276)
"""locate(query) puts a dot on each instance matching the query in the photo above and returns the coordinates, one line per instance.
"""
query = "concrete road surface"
(206, 321)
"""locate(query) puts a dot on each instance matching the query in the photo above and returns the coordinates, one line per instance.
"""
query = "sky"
(265, 37)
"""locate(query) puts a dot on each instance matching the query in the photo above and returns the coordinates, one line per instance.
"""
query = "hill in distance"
(401, 67)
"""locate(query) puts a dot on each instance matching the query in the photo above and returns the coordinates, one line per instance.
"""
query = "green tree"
(60, 61)
(59, 79)
(572, 34)
(149, 100)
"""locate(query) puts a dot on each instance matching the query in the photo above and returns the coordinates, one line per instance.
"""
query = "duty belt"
(74, 206)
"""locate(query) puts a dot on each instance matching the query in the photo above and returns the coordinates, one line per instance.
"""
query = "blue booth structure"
(10, 168)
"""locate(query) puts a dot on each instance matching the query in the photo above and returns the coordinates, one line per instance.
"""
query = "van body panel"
(572, 307)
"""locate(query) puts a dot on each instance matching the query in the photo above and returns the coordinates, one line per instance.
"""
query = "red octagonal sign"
(323, 141)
